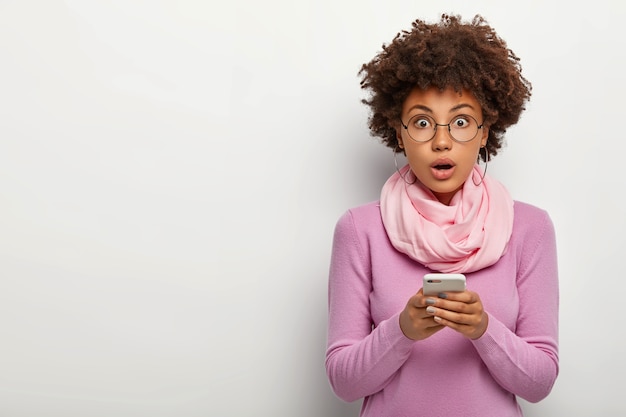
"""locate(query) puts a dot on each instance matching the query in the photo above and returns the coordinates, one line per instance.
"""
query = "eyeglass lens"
(423, 128)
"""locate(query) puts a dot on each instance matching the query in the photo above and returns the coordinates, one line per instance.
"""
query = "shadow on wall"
(374, 165)
(341, 409)
(369, 166)
(326, 403)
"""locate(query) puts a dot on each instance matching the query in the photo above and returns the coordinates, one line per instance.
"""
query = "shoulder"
(526, 209)
(363, 215)
(527, 215)
(367, 210)
(363, 222)
(532, 225)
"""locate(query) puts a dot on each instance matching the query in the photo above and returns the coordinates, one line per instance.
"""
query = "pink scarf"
(470, 234)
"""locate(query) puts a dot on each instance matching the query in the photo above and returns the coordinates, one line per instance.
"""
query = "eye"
(461, 122)
(422, 122)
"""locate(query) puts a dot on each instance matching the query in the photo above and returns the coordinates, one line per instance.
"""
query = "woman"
(444, 95)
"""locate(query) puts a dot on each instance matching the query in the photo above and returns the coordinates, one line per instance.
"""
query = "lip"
(442, 174)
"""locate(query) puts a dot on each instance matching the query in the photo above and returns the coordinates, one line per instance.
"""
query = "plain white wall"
(171, 173)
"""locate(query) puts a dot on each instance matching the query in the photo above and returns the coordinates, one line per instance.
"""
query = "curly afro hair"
(453, 54)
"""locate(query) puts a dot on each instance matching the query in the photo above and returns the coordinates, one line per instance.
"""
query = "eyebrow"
(452, 110)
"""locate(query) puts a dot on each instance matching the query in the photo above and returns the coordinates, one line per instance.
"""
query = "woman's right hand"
(415, 323)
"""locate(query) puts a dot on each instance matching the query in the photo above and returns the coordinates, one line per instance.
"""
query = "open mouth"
(443, 169)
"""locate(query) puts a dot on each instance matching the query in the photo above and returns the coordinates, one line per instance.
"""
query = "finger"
(455, 296)
(447, 323)
(420, 301)
(449, 305)
(464, 306)
(418, 313)
(440, 314)
(471, 331)
(435, 300)
(467, 297)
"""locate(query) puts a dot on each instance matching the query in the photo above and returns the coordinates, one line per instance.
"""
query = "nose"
(442, 140)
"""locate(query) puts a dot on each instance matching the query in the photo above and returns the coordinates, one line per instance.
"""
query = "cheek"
(467, 160)
(416, 158)
(467, 167)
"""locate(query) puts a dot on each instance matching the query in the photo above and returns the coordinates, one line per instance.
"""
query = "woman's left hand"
(461, 311)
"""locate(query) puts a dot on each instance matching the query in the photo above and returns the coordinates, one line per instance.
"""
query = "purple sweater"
(446, 374)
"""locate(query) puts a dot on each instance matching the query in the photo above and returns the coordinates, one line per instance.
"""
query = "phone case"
(435, 283)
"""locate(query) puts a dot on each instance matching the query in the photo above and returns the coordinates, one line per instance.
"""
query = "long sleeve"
(359, 360)
(369, 357)
(525, 362)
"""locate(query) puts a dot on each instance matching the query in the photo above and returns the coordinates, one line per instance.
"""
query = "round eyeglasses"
(422, 128)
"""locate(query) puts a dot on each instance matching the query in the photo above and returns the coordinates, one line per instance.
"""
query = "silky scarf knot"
(469, 234)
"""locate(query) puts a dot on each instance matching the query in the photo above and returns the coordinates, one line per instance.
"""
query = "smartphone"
(435, 283)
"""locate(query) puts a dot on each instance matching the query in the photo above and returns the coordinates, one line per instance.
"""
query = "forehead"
(440, 102)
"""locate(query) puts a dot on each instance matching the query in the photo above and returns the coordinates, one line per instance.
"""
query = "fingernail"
(442, 295)
(437, 319)
(430, 301)
(430, 310)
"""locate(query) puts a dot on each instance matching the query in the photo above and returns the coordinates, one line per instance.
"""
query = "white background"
(171, 173)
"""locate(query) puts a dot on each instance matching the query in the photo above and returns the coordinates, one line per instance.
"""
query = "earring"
(395, 162)
(482, 177)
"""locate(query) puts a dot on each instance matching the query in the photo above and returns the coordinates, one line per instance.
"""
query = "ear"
(399, 137)
(485, 136)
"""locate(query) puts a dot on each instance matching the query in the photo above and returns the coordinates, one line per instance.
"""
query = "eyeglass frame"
(435, 125)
